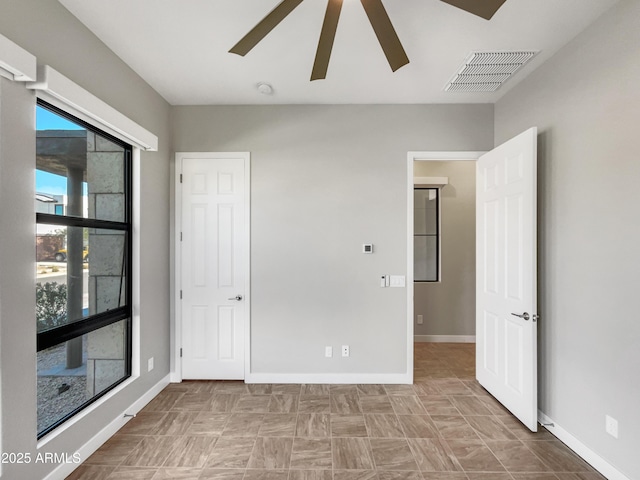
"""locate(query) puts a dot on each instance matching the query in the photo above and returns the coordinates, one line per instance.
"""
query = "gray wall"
(449, 306)
(325, 180)
(47, 30)
(586, 104)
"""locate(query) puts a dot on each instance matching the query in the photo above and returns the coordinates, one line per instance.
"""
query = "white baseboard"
(445, 338)
(65, 469)
(334, 378)
(588, 455)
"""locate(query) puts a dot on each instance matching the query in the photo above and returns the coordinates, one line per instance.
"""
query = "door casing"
(176, 324)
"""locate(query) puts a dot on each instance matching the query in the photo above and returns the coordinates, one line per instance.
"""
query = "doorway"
(412, 158)
(212, 265)
(444, 247)
(505, 244)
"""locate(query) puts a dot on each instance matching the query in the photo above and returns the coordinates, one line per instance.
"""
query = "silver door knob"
(524, 316)
(237, 298)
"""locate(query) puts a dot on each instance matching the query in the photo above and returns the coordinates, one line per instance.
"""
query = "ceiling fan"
(378, 17)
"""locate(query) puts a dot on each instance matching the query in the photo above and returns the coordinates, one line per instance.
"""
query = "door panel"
(214, 253)
(506, 260)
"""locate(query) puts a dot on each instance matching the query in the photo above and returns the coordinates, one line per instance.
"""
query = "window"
(83, 258)
(426, 239)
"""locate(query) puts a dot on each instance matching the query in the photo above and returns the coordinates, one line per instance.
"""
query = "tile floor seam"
(496, 457)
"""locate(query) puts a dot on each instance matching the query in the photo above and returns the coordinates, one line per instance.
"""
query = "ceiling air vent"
(487, 71)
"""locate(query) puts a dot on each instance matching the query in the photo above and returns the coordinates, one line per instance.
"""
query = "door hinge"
(181, 353)
(180, 294)
(180, 178)
(180, 236)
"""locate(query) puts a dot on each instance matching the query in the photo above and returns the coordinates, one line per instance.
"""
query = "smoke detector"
(487, 71)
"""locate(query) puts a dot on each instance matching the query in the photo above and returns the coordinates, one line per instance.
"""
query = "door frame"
(419, 156)
(176, 323)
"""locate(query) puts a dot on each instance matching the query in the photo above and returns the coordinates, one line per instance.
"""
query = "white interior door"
(506, 297)
(214, 265)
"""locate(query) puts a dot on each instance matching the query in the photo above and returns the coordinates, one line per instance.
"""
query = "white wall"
(586, 104)
(55, 37)
(325, 180)
(449, 306)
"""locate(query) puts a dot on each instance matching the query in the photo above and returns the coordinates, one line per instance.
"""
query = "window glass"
(69, 285)
(426, 211)
(78, 172)
(426, 222)
(64, 388)
(425, 261)
(83, 260)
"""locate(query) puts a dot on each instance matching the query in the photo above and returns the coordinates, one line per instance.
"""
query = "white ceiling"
(180, 47)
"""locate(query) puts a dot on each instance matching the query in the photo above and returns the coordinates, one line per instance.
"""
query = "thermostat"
(367, 248)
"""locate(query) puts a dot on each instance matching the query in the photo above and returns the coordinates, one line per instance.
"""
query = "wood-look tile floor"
(443, 427)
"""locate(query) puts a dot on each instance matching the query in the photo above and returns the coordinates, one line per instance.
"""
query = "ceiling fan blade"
(387, 36)
(265, 25)
(482, 8)
(327, 36)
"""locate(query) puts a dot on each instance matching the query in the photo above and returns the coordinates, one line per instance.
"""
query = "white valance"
(55, 88)
(430, 182)
(15, 62)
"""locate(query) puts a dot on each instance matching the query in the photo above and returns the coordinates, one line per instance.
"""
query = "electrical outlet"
(420, 321)
(328, 352)
(611, 426)
(345, 350)
(150, 364)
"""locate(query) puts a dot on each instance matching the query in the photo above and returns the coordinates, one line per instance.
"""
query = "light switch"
(397, 281)
(367, 248)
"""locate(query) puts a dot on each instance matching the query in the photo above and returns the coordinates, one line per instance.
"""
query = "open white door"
(214, 259)
(506, 297)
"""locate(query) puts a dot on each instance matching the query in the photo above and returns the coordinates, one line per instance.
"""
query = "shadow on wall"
(544, 174)
(448, 191)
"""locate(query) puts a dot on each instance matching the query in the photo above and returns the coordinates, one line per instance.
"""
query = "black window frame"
(437, 235)
(63, 333)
